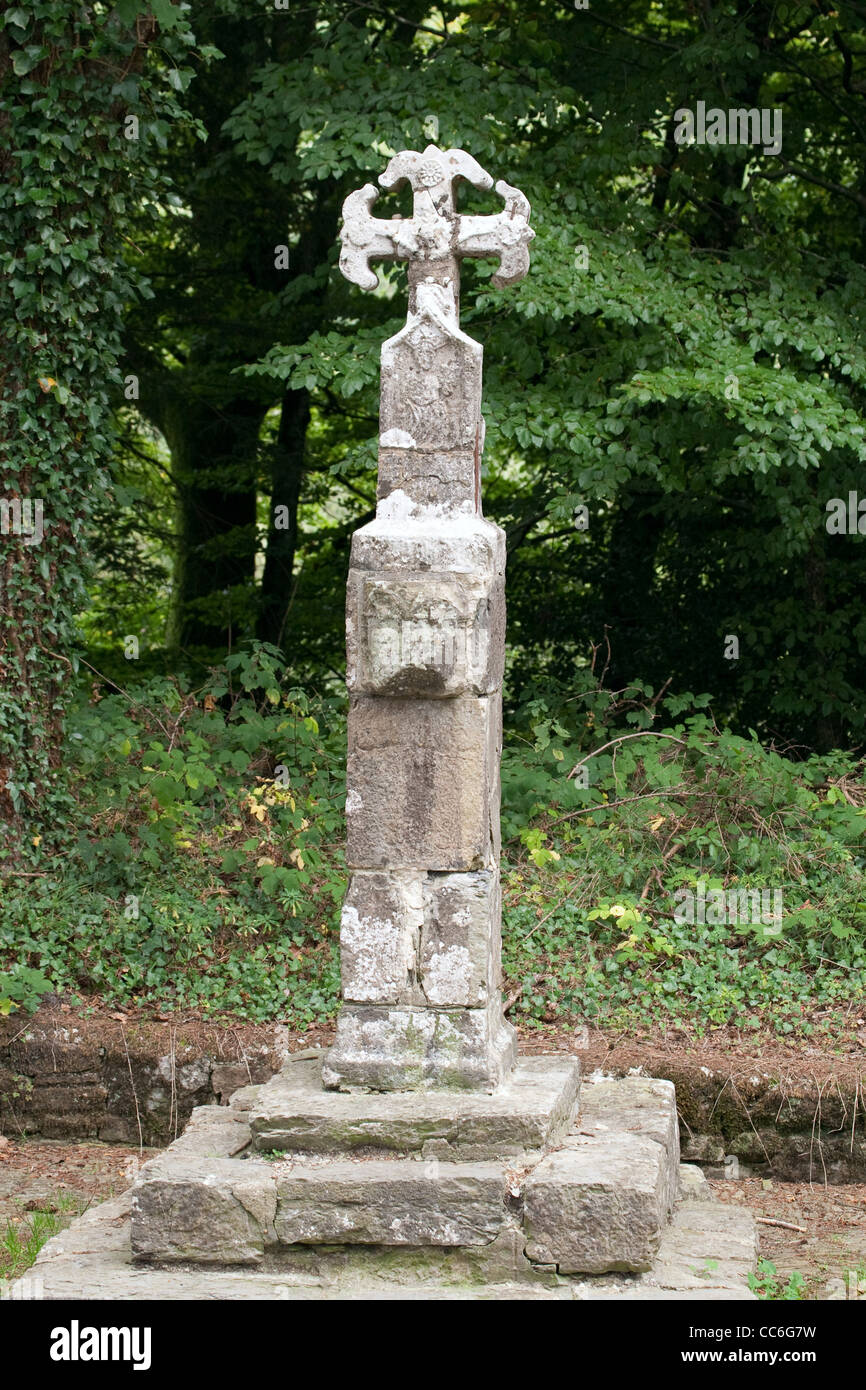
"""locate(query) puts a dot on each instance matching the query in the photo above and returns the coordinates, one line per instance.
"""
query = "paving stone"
(531, 1110)
(217, 1131)
(707, 1245)
(391, 1202)
(693, 1184)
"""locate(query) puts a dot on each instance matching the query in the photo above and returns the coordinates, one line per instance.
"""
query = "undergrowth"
(201, 866)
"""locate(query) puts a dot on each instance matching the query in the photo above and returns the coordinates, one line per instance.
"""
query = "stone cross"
(425, 634)
(436, 237)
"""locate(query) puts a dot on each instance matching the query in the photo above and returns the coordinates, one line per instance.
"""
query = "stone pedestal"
(539, 1180)
(425, 639)
(420, 933)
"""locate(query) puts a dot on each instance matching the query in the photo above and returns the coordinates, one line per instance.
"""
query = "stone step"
(602, 1201)
(366, 1170)
(390, 1202)
(428, 1168)
(528, 1114)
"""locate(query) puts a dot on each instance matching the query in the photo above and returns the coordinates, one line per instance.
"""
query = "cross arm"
(506, 235)
(365, 237)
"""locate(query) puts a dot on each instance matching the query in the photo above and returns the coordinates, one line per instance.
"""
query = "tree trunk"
(288, 468)
(213, 456)
(627, 605)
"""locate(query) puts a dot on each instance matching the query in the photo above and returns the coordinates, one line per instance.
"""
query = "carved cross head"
(436, 237)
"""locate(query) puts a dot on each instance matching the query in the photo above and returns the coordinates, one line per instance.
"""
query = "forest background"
(675, 448)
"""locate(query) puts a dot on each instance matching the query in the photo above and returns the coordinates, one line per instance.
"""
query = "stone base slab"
(597, 1207)
(525, 1176)
(391, 1202)
(706, 1255)
(529, 1113)
(603, 1200)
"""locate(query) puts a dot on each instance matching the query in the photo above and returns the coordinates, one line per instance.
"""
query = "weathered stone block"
(203, 1210)
(431, 383)
(75, 1124)
(412, 938)
(600, 1205)
(635, 1105)
(430, 477)
(404, 1048)
(63, 1098)
(424, 635)
(380, 930)
(460, 939)
(213, 1131)
(693, 1184)
(530, 1111)
(391, 1202)
(405, 538)
(423, 787)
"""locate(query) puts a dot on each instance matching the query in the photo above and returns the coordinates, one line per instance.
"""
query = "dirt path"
(830, 1252)
(44, 1184)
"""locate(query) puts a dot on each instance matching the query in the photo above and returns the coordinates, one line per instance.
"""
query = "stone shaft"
(425, 639)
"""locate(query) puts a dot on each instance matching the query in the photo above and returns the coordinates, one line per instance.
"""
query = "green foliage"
(685, 360)
(22, 988)
(22, 1241)
(768, 1284)
(208, 864)
(593, 873)
(73, 78)
(207, 869)
(696, 379)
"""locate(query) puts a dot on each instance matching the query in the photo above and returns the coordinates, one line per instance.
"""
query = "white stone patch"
(377, 953)
(397, 506)
(448, 977)
(397, 439)
(353, 802)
